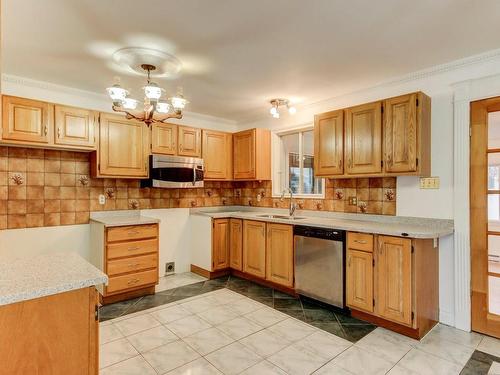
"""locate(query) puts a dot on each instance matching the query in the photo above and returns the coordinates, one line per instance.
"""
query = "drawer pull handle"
(133, 232)
(131, 265)
(133, 281)
(133, 248)
(362, 242)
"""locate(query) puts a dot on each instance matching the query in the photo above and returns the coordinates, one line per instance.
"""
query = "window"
(296, 164)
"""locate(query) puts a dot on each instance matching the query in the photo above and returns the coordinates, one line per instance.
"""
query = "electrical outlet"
(102, 199)
(353, 201)
(429, 183)
(169, 268)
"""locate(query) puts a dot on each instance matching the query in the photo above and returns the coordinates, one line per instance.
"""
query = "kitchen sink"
(283, 217)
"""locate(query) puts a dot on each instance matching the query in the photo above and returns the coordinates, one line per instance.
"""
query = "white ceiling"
(238, 54)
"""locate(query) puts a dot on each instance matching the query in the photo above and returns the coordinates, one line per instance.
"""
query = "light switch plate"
(429, 183)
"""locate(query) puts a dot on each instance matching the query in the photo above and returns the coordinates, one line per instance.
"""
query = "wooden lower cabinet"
(254, 248)
(220, 244)
(236, 244)
(53, 335)
(279, 254)
(359, 283)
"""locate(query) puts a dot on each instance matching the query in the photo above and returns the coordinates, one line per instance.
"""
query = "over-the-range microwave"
(174, 172)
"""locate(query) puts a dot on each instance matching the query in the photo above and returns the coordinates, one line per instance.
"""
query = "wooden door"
(363, 139)
(400, 133)
(217, 151)
(235, 244)
(329, 143)
(26, 120)
(484, 213)
(189, 141)
(53, 335)
(220, 244)
(164, 139)
(123, 150)
(359, 280)
(244, 144)
(254, 248)
(75, 126)
(394, 279)
(279, 254)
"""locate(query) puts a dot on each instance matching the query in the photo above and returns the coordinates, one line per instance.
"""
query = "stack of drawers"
(130, 259)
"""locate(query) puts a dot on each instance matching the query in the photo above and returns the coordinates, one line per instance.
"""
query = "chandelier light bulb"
(129, 103)
(162, 107)
(276, 115)
(117, 93)
(152, 91)
(273, 110)
(178, 102)
(292, 110)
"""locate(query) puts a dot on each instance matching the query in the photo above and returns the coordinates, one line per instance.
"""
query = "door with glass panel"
(485, 215)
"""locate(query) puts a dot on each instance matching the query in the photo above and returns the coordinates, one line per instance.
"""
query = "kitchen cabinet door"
(329, 143)
(220, 244)
(217, 152)
(26, 121)
(252, 155)
(235, 244)
(279, 254)
(359, 280)
(254, 248)
(75, 126)
(363, 139)
(189, 141)
(124, 148)
(164, 139)
(393, 279)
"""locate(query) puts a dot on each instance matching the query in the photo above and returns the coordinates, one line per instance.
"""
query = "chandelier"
(276, 103)
(155, 109)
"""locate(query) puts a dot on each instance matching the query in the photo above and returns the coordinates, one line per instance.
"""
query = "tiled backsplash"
(48, 188)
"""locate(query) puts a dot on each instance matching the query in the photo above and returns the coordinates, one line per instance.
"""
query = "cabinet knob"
(58, 132)
(45, 130)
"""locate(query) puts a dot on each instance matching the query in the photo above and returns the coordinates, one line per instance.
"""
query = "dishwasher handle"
(323, 233)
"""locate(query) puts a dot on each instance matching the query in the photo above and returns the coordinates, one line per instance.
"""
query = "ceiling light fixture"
(155, 109)
(276, 103)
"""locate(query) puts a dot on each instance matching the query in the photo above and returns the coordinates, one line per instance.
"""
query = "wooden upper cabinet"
(329, 143)
(394, 279)
(252, 155)
(359, 280)
(75, 126)
(164, 139)
(279, 254)
(254, 248)
(217, 153)
(363, 139)
(123, 148)
(189, 141)
(26, 120)
(235, 244)
(220, 244)
(407, 134)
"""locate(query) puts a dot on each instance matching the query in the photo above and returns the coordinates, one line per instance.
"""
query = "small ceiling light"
(116, 92)
(163, 107)
(280, 102)
(129, 103)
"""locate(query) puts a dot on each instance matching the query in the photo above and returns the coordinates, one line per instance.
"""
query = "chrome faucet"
(293, 206)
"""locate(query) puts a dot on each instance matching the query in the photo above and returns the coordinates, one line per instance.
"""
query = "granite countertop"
(389, 225)
(43, 275)
(121, 218)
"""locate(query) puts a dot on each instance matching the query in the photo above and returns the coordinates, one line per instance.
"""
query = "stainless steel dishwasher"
(320, 264)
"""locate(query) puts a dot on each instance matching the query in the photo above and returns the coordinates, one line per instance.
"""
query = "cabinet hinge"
(374, 302)
(373, 262)
(417, 162)
(96, 313)
(382, 108)
(98, 166)
(382, 163)
(417, 102)
(412, 249)
(412, 316)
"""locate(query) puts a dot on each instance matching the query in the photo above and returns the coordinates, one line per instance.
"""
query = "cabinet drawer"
(131, 248)
(132, 232)
(360, 241)
(133, 280)
(132, 264)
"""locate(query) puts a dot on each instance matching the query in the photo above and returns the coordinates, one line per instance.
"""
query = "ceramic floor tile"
(387, 345)
(209, 340)
(489, 345)
(332, 369)
(264, 368)
(225, 296)
(233, 359)
(324, 344)
(494, 369)
(265, 342)
(295, 360)
(266, 316)
(245, 305)
(457, 336)
(171, 314)
(218, 315)
(239, 327)
(136, 324)
(187, 326)
(200, 304)
(419, 362)
(199, 366)
(292, 329)
(115, 351)
(108, 333)
(359, 361)
(151, 338)
(170, 356)
(445, 349)
(133, 366)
